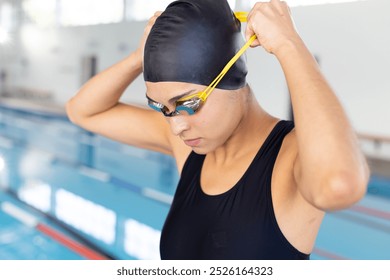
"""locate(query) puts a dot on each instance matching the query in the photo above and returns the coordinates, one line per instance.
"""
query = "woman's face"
(212, 125)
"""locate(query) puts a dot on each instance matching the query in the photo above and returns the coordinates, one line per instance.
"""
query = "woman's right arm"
(96, 106)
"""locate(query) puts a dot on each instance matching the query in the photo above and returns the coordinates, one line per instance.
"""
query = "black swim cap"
(191, 41)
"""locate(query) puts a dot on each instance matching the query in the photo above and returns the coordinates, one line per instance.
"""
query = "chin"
(203, 150)
(199, 151)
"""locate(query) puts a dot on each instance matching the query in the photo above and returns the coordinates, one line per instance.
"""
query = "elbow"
(71, 112)
(342, 191)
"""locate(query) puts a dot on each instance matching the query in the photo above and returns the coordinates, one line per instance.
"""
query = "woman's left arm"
(330, 169)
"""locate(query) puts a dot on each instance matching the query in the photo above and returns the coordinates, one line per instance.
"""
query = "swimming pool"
(61, 186)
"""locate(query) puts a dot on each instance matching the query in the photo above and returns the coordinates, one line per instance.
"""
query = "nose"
(178, 124)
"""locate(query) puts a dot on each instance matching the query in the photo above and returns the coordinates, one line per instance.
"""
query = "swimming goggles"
(189, 105)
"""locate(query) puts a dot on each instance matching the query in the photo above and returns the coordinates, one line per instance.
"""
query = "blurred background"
(66, 193)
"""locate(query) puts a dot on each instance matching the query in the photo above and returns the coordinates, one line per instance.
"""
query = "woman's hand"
(273, 26)
(140, 50)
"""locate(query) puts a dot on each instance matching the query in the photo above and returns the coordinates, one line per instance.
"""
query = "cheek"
(209, 117)
(218, 119)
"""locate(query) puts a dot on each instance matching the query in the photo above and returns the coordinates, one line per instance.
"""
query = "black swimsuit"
(238, 224)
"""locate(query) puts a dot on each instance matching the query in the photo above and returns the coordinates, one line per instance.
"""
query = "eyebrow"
(173, 99)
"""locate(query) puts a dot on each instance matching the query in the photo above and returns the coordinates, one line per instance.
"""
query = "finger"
(248, 34)
(286, 7)
(275, 2)
(255, 43)
(153, 19)
(155, 16)
(280, 6)
(249, 30)
(258, 4)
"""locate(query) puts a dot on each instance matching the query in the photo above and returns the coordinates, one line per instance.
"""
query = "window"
(143, 10)
(137, 10)
(249, 3)
(7, 22)
(40, 12)
(90, 12)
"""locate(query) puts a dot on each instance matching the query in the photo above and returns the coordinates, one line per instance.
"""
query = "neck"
(255, 124)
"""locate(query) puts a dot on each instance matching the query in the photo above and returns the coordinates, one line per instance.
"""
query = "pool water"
(61, 185)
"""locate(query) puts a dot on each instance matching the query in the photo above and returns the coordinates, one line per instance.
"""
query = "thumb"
(248, 34)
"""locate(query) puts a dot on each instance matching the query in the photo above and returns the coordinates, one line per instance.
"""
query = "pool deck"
(379, 167)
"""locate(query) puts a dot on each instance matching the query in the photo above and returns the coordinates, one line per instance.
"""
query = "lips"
(192, 142)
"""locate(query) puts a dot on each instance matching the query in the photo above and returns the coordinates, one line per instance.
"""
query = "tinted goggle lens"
(189, 106)
(185, 107)
(155, 106)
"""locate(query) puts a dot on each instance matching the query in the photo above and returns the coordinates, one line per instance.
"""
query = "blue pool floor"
(21, 242)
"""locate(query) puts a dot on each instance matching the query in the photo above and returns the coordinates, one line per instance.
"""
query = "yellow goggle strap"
(241, 17)
(212, 86)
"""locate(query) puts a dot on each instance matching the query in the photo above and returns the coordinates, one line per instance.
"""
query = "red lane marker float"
(328, 255)
(71, 244)
(33, 222)
(372, 212)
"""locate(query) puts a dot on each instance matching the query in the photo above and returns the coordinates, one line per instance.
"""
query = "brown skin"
(319, 167)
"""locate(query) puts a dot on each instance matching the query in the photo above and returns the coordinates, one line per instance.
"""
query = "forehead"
(161, 91)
